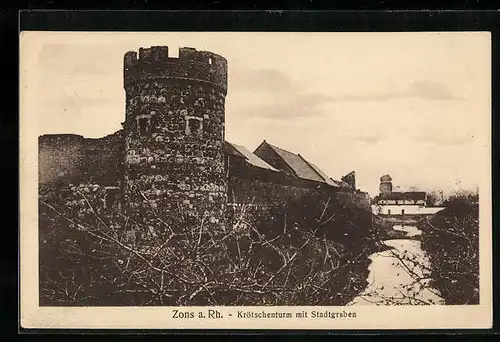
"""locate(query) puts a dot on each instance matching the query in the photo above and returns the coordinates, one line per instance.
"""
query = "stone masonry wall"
(70, 158)
(174, 135)
(61, 158)
(259, 194)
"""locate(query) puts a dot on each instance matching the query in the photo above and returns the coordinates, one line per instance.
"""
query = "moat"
(399, 275)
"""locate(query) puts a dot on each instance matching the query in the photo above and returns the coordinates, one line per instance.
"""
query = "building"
(390, 202)
(171, 160)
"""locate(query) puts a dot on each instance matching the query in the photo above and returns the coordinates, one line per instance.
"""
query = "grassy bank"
(383, 228)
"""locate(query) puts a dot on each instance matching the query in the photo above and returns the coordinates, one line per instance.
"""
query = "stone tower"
(174, 136)
(385, 185)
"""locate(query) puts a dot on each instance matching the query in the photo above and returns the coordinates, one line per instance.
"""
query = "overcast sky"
(414, 105)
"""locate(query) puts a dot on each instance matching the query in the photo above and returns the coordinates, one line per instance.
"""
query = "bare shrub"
(451, 238)
(306, 255)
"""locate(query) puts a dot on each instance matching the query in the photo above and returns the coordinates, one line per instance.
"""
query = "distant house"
(390, 202)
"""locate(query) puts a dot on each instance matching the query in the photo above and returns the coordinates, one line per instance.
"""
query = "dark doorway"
(143, 126)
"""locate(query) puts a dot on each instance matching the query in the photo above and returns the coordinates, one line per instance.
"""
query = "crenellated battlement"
(193, 65)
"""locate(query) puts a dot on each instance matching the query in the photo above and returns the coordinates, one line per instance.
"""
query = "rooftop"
(301, 166)
(249, 156)
(410, 195)
(386, 178)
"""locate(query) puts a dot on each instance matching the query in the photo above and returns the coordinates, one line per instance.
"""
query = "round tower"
(174, 135)
(385, 185)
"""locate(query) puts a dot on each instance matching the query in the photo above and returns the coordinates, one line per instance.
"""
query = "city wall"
(169, 159)
(72, 159)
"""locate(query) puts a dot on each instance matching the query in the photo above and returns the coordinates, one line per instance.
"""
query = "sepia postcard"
(241, 180)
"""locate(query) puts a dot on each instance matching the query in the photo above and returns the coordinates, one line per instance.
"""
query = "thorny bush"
(451, 239)
(306, 255)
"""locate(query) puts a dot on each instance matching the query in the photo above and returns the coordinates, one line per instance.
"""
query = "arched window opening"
(194, 126)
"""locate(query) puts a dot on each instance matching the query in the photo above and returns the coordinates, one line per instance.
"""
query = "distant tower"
(385, 185)
(174, 135)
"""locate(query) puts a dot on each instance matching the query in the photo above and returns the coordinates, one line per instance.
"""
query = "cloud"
(74, 103)
(439, 137)
(79, 79)
(368, 139)
(66, 58)
(424, 90)
(271, 94)
(429, 91)
(285, 111)
(263, 80)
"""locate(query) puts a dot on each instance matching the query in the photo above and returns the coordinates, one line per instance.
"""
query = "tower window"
(194, 126)
(111, 196)
(209, 60)
(144, 125)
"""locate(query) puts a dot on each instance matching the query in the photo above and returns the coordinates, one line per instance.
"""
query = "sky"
(413, 105)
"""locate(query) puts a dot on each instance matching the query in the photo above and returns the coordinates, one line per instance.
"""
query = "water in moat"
(399, 275)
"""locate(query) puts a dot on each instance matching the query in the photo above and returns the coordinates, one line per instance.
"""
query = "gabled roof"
(323, 175)
(352, 173)
(249, 156)
(411, 195)
(300, 166)
(340, 183)
(230, 149)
